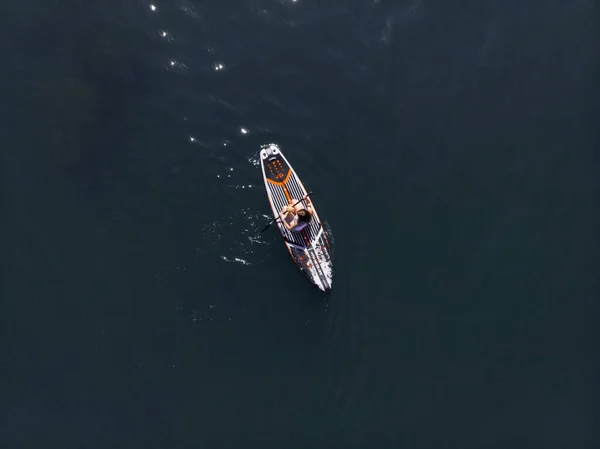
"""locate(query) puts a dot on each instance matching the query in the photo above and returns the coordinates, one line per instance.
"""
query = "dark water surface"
(451, 148)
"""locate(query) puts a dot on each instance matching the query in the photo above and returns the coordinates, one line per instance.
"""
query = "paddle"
(278, 218)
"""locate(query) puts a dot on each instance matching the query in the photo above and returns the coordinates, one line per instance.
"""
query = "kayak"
(309, 247)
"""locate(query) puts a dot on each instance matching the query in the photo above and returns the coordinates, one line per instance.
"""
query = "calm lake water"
(451, 148)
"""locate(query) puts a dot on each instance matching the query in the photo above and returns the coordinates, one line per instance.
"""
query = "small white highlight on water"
(244, 131)
(152, 7)
(163, 33)
(236, 259)
(192, 139)
(172, 63)
(219, 66)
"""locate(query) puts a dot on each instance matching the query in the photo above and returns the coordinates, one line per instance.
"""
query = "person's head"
(303, 216)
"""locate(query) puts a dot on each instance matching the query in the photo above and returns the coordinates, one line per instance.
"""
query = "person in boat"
(296, 218)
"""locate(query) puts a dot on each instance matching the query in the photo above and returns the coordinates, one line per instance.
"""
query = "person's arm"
(282, 216)
(309, 206)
